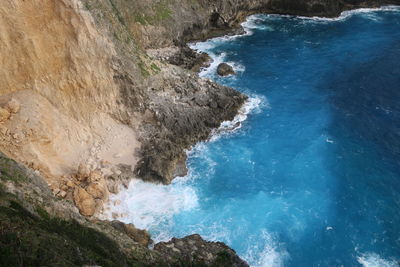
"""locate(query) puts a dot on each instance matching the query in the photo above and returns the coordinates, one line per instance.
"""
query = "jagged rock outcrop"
(198, 251)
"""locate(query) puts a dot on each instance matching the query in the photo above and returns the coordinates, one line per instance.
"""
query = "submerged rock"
(225, 69)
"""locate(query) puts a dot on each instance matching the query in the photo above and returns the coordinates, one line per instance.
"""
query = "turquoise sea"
(312, 175)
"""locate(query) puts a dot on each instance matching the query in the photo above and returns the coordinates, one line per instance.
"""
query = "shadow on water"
(366, 128)
(358, 68)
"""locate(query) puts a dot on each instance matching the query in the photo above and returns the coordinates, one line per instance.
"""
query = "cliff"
(92, 107)
(88, 99)
(156, 24)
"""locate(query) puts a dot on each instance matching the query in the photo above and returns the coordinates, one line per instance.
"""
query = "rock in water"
(225, 69)
(84, 201)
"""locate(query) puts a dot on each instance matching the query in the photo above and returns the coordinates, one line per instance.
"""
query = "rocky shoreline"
(108, 91)
(39, 229)
(224, 19)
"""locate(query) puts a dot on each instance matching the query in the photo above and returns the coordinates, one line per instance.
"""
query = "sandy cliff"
(89, 97)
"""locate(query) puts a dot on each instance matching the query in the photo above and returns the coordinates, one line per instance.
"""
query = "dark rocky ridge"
(182, 21)
(208, 253)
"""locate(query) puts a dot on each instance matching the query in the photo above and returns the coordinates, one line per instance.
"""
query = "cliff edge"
(88, 99)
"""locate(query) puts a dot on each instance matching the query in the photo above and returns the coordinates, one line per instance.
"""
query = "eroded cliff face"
(58, 67)
(93, 109)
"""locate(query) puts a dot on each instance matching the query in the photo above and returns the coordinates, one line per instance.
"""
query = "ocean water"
(312, 175)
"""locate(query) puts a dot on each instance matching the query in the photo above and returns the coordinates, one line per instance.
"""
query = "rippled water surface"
(312, 178)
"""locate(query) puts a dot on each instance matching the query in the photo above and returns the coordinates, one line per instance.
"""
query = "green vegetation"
(33, 237)
(160, 11)
(155, 68)
(117, 13)
(9, 172)
(143, 69)
(28, 240)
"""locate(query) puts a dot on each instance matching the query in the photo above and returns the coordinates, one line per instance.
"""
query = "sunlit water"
(312, 178)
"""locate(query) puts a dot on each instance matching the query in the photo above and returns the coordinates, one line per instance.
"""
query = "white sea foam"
(251, 23)
(267, 255)
(237, 67)
(367, 12)
(254, 22)
(374, 260)
(217, 59)
(252, 105)
(148, 205)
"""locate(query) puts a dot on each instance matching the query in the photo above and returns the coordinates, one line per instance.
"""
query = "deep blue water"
(312, 178)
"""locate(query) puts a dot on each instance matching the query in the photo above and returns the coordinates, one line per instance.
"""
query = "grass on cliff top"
(28, 240)
(159, 12)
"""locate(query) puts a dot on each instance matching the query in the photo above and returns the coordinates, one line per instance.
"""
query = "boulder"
(96, 190)
(225, 69)
(95, 176)
(62, 194)
(83, 172)
(70, 184)
(113, 187)
(84, 202)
